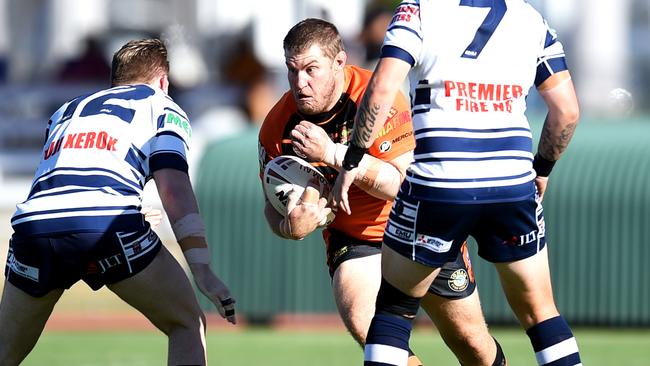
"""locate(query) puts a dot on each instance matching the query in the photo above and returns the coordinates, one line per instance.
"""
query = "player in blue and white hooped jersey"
(470, 65)
(82, 220)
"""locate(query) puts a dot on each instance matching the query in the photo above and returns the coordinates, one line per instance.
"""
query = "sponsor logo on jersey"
(482, 97)
(178, 121)
(385, 146)
(394, 121)
(339, 253)
(400, 233)
(432, 243)
(21, 269)
(519, 240)
(109, 262)
(402, 137)
(459, 280)
(404, 13)
(345, 133)
(83, 140)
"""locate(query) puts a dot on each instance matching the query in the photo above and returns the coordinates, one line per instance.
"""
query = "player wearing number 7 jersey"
(82, 220)
(470, 65)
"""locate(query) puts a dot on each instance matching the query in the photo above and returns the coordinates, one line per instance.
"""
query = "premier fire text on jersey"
(482, 97)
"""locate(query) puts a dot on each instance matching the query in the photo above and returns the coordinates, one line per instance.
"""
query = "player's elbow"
(564, 115)
(571, 113)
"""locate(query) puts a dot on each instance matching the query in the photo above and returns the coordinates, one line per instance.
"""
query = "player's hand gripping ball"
(286, 174)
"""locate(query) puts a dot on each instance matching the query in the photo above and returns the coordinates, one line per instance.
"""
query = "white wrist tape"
(188, 225)
(334, 154)
(197, 256)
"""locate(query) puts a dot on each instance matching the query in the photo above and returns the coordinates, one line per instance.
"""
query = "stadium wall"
(597, 212)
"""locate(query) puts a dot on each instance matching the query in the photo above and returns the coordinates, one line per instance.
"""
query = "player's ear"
(339, 60)
(163, 82)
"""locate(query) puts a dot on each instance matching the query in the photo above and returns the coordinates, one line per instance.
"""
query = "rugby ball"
(287, 173)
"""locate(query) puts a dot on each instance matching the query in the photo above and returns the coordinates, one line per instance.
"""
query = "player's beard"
(322, 101)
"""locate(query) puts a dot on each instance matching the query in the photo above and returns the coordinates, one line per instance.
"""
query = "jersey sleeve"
(396, 137)
(551, 59)
(403, 38)
(170, 145)
(54, 119)
(270, 136)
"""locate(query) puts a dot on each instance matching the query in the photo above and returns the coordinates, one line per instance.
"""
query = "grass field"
(264, 347)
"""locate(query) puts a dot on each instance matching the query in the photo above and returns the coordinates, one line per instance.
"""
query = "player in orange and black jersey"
(313, 121)
(371, 214)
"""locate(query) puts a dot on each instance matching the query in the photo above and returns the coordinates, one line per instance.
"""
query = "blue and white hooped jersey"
(473, 63)
(100, 150)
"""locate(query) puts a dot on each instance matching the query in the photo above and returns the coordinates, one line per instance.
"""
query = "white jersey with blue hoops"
(473, 63)
(100, 151)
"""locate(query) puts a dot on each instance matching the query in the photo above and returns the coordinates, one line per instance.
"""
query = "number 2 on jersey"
(101, 105)
(487, 28)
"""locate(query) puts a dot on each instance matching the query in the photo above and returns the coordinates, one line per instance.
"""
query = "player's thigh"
(162, 292)
(422, 236)
(411, 278)
(355, 284)
(456, 278)
(457, 319)
(527, 286)
(453, 303)
(20, 311)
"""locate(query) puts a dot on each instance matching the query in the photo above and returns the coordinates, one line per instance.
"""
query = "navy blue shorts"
(455, 280)
(431, 233)
(38, 265)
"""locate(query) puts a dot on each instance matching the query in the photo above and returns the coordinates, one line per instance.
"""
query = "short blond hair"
(313, 31)
(139, 61)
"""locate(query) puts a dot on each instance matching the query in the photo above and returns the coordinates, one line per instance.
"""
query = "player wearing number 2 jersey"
(82, 219)
(470, 65)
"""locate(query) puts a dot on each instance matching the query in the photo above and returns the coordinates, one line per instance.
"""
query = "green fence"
(266, 274)
(597, 212)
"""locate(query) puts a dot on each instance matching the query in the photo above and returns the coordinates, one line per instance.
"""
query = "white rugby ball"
(288, 173)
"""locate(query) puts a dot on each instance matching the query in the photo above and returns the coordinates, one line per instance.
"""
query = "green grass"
(270, 348)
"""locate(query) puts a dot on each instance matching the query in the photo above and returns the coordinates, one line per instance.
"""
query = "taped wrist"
(542, 166)
(353, 156)
(391, 301)
(188, 225)
(334, 154)
(197, 256)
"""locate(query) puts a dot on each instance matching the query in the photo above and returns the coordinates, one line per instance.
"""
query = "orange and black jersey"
(369, 214)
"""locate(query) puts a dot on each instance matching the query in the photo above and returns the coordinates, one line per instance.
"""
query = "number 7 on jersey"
(487, 28)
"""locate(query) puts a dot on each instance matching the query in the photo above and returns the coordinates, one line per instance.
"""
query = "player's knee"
(357, 321)
(391, 301)
(188, 318)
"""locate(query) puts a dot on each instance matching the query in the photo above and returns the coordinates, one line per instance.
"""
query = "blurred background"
(227, 70)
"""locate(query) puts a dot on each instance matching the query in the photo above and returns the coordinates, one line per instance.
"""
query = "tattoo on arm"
(551, 146)
(365, 122)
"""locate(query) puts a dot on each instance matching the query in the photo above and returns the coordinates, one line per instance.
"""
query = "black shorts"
(455, 280)
(432, 233)
(38, 265)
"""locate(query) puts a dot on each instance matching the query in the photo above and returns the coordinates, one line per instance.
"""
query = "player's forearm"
(180, 204)
(376, 177)
(562, 118)
(176, 193)
(277, 223)
(371, 114)
(556, 134)
(377, 100)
